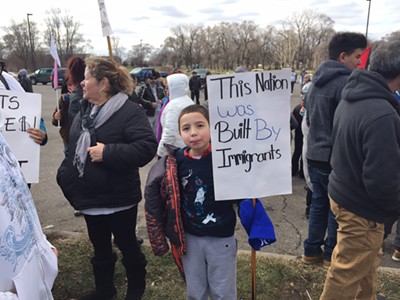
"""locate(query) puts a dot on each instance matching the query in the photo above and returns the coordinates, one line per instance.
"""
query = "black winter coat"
(129, 144)
(146, 97)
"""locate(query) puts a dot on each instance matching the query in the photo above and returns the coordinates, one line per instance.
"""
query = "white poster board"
(19, 111)
(250, 134)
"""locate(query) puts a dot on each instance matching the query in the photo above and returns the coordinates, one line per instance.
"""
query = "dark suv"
(41, 75)
(61, 77)
(140, 73)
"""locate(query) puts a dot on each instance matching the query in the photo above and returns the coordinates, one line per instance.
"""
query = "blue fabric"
(397, 94)
(257, 224)
(42, 126)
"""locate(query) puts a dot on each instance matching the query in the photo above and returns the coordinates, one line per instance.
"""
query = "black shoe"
(78, 213)
(139, 240)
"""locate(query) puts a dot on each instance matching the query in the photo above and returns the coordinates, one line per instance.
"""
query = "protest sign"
(19, 111)
(250, 134)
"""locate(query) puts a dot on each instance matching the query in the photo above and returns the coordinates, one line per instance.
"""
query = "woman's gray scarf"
(109, 108)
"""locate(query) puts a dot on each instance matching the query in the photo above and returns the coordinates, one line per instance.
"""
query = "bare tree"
(185, 41)
(224, 45)
(262, 49)
(287, 47)
(139, 54)
(300, 41)
(394, 36)
(308, 30)
(18, 41)
(118, 51)
(65, 32)
(162, 57)
(243, 35)
(171, 45)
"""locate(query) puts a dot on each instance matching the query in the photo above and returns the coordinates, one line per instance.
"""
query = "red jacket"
(162, 210)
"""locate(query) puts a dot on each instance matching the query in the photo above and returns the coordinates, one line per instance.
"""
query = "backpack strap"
(4, 81)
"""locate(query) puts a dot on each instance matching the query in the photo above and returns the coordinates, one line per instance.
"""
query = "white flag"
(53, 51)
(105, 24)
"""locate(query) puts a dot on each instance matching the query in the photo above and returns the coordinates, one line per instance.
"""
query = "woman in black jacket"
(109, 140)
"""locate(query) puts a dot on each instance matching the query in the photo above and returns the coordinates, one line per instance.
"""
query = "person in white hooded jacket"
(28, 262)
(178, 85)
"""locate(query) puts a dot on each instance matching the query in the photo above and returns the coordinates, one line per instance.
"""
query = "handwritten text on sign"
(250, 134)
(19, 111)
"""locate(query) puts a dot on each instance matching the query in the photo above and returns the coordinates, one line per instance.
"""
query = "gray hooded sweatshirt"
(366, 148)
(323, 97)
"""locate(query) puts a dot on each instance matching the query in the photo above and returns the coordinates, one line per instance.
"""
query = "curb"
(80, 235)
(394, 271)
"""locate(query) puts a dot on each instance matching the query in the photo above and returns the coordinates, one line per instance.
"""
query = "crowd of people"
(350, 129)
(346, 147)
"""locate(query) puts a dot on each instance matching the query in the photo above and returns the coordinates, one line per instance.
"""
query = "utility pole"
(141, 53)
(30, 42)
(369, 9)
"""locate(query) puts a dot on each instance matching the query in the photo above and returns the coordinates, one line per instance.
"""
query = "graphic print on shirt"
(200, 197)
(196, 187)
(19, 237)
(185, 179)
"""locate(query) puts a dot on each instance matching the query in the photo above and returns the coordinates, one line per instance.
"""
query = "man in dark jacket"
(150, 97)
(25, 81)
(195, 87)
(322, 99)
(364, 185)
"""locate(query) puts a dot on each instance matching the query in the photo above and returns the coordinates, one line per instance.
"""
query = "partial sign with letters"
(250, 134)
(19, 111)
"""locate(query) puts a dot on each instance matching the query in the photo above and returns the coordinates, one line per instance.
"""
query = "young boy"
(209, 262)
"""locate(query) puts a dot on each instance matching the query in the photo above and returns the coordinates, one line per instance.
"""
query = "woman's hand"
(37, 135)
(57, 115)
(96, 152)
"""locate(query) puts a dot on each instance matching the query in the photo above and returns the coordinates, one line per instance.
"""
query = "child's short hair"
(193, 109)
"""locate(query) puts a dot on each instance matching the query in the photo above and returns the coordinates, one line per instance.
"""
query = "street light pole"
(30, 41)
(369, 9)
(141, 53)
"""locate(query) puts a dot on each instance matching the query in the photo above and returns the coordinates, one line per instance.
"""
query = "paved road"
(286, 211)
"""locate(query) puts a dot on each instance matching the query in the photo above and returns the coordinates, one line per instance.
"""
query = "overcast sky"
(151, 21)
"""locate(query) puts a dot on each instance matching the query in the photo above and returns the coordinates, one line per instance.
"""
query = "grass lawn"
(276, 278)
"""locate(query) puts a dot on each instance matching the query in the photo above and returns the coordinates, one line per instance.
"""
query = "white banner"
(105, 23)
(19, 111)
(250, 134)
(54, 53)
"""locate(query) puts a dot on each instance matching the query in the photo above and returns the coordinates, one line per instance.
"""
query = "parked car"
(41, 75)
(140, 73)
(164, 74)
(61, 77)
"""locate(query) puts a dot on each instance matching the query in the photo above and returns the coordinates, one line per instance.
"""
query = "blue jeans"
(397, 238)
(388, 230)
(321, 217)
